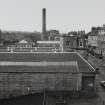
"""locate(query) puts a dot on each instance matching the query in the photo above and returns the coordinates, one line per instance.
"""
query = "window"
(67, 43)
(80, 44)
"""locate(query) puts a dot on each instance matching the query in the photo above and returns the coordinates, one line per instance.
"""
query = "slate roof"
(81, 65)
(51, 67)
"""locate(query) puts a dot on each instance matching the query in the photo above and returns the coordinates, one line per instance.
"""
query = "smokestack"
(43, 24)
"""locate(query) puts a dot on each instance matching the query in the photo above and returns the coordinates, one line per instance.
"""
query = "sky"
(62, 15)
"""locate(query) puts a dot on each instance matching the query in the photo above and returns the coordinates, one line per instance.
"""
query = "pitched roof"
(23, 41)
(37, 67)
(49, 61)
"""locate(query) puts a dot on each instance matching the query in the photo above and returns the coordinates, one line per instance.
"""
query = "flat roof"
(44, 61)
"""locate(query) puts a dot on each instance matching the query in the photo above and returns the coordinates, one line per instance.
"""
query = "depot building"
(24, 73)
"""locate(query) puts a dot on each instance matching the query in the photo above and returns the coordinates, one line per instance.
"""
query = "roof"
(36, 67)
(48, 42)
(44, 62)
(23, 41)
(69, 35)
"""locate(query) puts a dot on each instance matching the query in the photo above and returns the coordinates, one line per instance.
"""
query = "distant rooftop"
(48, 42)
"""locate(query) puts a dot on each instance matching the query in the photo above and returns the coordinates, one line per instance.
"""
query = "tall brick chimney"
(43, 37)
